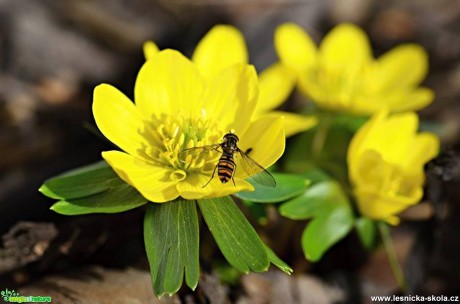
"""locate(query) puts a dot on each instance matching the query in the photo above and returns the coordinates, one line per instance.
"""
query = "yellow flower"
(223, 46)
(341, 74)
(175, 108)
(385, 162)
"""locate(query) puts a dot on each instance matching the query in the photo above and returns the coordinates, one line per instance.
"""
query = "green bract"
(287, 186)
(91, 189)
(171, 230)
(331, 214)
(171, 238)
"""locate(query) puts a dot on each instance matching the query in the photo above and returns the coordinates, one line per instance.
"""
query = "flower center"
(170, 135)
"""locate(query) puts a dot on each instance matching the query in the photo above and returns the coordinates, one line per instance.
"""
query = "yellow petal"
(156, 184)
(425, 147)
(394, 138)
(412, 100)
(369, 170)
(345, 46)
(398, 100)
(315, 91)
(118, 119)
(385, 164)
(232, 96)
(293, 123)
(385, 207)
(169, 83)
(150, 49)
(192, 187)
(295, 48)
(391, 136)
(403, 66)
(359, 144)
(222, 47)
(275, 84)
(265, 137)
(392, 220)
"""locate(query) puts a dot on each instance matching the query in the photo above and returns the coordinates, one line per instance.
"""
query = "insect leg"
(213, 172)
(233, 174)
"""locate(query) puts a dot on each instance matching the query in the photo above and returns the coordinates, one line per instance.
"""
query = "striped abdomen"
(225, 168)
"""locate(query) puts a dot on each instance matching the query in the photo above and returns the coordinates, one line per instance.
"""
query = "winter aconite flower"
(342, 75)
(177, 107)
(385, 161)
(223, 46)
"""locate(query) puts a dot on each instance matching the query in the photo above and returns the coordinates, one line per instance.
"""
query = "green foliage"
(349, 121)
(320, 156)
(324, 146)
(171, 232)
(91, 189)
(330, 213)
(367, 231)
(275, 260)
(236, 238)
(81, 182)
(171, 237)
(287, 186)
(316, 175)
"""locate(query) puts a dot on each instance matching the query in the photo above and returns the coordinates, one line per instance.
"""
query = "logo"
(14, 297)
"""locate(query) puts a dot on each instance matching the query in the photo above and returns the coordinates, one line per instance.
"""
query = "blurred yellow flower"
(341, 75)
(385, 162)
(224, 46)
(177, 107)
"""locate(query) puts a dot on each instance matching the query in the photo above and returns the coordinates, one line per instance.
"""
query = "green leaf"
(118, 199)
(236, 238)
(331, 214)
(287, 186)
(81, 182)
(91, 189)
(316, 175)
(325, 231)
(351, 122)
(275, 260)
(318, 199)
(171, 238)
(367, 231)
(324, 146)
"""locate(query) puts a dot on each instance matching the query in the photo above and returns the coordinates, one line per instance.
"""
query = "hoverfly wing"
(195, 151)
(256, 171)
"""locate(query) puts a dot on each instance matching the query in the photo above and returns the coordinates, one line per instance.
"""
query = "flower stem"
(392, 258)
(321, 135)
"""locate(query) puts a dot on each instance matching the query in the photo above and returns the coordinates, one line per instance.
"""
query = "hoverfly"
(226, 166)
